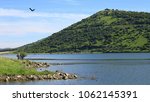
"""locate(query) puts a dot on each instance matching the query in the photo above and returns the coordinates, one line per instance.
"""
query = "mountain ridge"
(108, 30)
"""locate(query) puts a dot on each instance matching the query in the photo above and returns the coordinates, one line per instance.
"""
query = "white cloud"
(28, 23)
(27, 14)
(25, 27)
(16, 23)
(11, 44)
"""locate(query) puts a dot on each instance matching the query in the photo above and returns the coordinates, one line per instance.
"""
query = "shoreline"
(32, 73)
(57, 76)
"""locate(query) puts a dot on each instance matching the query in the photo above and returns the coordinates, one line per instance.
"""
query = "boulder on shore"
(30, 64)
(57, 76)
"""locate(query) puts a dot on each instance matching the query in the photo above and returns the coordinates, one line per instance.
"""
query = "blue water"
(95, 69)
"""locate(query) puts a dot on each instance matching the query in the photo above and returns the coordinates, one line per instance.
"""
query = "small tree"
(21, 55)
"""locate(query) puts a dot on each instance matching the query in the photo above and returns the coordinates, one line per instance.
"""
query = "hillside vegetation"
(106, 31)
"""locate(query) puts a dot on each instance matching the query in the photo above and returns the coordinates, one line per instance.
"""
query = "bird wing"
(32, 9)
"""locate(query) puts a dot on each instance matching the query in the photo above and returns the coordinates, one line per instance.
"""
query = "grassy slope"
(15, 67)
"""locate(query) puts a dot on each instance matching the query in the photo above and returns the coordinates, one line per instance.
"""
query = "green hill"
(106, 31)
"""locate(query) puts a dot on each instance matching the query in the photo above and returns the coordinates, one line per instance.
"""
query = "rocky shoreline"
(47, 76)
(30, 64)
(56, 76)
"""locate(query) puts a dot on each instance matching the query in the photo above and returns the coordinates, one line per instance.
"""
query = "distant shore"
(6, 52)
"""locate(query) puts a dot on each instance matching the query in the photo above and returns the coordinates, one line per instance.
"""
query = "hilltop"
(108, 30)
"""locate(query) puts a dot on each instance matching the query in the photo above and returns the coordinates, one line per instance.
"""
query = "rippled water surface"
(95, 69)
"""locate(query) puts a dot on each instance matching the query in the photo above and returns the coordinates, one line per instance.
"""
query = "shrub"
(21, 55)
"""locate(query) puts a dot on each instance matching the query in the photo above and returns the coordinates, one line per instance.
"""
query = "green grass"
(108, 19)
(140, 41)
(15, 67)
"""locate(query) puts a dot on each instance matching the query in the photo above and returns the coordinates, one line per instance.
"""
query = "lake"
(95, 69)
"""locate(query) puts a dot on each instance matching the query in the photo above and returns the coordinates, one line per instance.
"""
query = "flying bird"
(32, 9)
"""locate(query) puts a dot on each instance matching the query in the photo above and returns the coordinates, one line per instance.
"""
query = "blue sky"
(19, 26)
